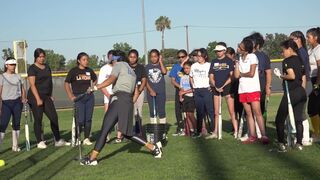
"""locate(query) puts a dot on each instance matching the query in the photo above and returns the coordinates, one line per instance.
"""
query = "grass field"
(183, 158)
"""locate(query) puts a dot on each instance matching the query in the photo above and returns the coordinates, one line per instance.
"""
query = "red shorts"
(249, 97)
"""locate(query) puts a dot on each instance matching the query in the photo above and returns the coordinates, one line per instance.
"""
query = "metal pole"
(144, 33)
(187, 37)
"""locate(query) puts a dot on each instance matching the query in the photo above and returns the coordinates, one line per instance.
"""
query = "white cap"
(220, 48)
(10, 61)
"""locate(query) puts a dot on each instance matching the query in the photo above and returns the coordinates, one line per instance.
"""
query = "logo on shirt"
(83, 77)
(155, 75)
(200, 73)
(220, 66)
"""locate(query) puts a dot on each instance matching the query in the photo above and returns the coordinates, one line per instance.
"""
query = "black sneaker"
(86, 161)
(196, 135)
(157, 151)
(298, 147)
(282, 148)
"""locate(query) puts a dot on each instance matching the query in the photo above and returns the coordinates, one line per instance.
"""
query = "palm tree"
(162, 23)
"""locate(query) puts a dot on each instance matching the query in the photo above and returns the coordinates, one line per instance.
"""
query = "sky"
(63, 25)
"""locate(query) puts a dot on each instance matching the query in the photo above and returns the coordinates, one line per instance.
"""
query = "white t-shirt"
(104, 74)
(200, 74)
(314, 55)
(248, 84)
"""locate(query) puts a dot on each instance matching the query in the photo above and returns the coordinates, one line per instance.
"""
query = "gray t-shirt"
(11, 86)
(126, 78)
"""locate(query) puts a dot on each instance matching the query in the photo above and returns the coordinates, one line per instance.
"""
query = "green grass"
(184, 158)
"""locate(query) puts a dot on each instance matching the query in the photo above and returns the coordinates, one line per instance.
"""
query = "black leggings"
(109, 120)
(178, 111)
(298, 99)
(49, 109)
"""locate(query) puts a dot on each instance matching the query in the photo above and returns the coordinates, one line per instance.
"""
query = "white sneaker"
(212, 136)
(244, 138)
(87, 142)
(157, 151)
(306, 143)
(41, 145)
(16, 149)
(61, 143)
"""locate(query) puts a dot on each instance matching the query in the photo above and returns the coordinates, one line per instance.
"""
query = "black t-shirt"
(221, 69)
(140, 73)
(295, 63)
(43, 79)
(80, 79)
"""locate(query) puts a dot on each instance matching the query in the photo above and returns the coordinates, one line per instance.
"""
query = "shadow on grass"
(27, 163)
(53, 168)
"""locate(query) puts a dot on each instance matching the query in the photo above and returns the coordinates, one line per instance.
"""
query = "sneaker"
(244, 138)
(61, 143)
(282, 148)
(16, 148)
(87, 142)
(177, 133)
(41, 145)
(182, 133)
(298, 147)
(250, 140)
(212, 136)
(157, 151)
(265, 140)
(196, 135)
(118, 140)
(306, 143)
(87, 162)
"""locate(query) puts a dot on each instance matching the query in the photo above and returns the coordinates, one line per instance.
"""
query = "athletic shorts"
(188, 104)
(249, 97)
(226, 91)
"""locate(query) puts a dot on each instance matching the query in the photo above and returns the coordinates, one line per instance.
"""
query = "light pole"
(144, 33)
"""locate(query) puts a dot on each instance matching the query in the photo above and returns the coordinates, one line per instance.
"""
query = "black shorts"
(188, 104)
(226, 91)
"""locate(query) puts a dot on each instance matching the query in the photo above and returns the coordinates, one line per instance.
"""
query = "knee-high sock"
(15, 137)
(306, 131)
(1, 138)
(315, 120)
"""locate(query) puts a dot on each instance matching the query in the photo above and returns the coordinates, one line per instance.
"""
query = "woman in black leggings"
(294, 74)
(125, 93)
(40, 99)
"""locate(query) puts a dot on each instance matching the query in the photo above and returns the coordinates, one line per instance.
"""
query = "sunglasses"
(180, 57)
(12, 64)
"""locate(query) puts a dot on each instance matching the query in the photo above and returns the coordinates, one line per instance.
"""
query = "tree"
(93, 61)
(125, 47)
(56, 61)
(7, 53)
(71, 64)
(210, 49)
(170, 56)
(163, 23)
(272, 45)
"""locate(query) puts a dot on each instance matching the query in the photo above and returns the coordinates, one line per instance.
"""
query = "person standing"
(294, 74)
(300, 40)
(141, 81)
(175, 74)
(199, 79)
(249, 89)
(81, 78)
(220, 74)
(40, 99)
(313, 38)
(156, 87)
(12, 97)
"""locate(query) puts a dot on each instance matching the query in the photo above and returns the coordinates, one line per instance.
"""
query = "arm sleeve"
(102, 75)
(191, 71)
(173, 72)
(93, 75)
(68, 77)
(317, 54)
(31, 71)
(254, 59)
(268, 61)
(1, 80)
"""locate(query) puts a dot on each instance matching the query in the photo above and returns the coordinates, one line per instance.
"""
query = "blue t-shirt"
(303, 54)
(263, 65)
(221, 69)
(176, 72)
(155, 78)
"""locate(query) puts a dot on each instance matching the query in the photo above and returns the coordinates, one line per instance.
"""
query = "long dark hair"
(37, 53)
(300, 35)
(204, 54)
